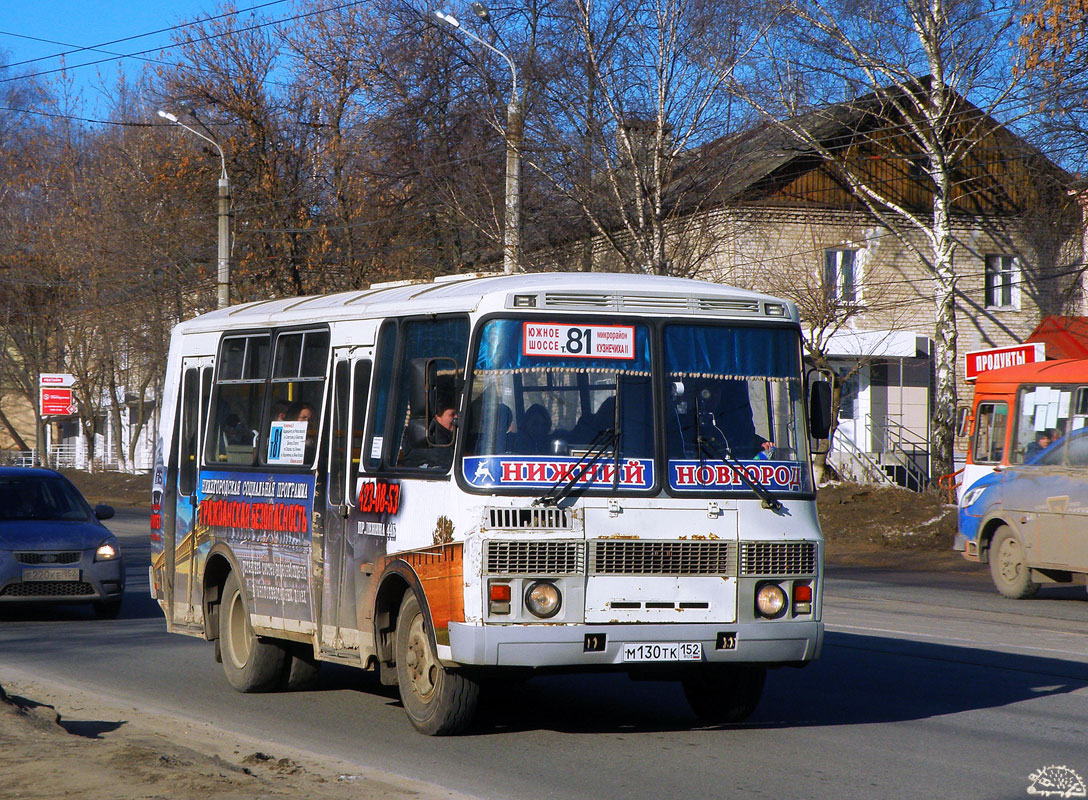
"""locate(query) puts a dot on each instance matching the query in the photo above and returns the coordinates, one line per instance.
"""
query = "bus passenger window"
(297, 389)
(240, 392)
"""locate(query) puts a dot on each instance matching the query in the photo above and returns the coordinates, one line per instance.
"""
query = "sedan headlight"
(107, 551)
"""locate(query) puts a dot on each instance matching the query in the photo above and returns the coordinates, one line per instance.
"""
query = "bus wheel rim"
(422, 666)
(239, 635)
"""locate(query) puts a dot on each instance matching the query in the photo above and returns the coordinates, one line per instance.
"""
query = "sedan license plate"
(51, 574)
(662, 651)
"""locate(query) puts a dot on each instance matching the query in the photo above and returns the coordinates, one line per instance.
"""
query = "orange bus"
(1019, 411)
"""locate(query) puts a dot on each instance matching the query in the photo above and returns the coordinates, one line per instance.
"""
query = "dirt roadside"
(59, 742)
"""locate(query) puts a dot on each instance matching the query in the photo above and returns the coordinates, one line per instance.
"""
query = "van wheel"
(1010, 573)
(724, 694)
(251, 665)
(438, 702)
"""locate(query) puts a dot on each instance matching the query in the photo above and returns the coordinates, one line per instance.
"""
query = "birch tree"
(914, 64)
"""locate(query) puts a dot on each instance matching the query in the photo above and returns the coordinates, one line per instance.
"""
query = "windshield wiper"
(606, 438)
(702, 443)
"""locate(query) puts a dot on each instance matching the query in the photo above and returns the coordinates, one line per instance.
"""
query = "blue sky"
(70, 24)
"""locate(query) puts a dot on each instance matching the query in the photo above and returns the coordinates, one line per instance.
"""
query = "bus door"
(185, 599)
(342, 582)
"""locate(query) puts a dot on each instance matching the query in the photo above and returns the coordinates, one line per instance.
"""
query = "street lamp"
(511, 244)
(223, 280)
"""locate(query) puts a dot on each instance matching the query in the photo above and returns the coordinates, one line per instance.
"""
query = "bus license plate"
(663, 651)
(51, 574)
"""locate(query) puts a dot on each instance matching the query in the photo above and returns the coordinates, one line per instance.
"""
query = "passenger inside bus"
(531, 437)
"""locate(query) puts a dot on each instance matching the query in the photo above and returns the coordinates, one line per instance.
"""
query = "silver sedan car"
(53, 548)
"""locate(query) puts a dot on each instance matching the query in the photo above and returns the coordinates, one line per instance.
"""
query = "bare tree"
(634, 90)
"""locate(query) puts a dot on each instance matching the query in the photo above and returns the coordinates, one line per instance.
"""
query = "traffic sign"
(56, 379)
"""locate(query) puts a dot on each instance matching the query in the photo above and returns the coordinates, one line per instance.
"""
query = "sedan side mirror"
(103, 511)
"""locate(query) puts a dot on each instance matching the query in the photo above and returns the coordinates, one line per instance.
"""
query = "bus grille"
(529, 518)
(48, 589)
(48, 558)
(622, 557)
(538, 558)
(777, 558)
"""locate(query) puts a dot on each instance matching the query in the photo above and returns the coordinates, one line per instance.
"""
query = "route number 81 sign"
(550, 339)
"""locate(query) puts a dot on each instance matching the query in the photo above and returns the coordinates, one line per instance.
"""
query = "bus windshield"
(547, 393)
(734, 391)
(551, 400)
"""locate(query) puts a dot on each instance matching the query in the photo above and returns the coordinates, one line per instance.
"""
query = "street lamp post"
(511, 243)
(223, 278)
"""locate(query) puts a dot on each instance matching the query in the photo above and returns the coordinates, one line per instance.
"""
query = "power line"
(79, 49)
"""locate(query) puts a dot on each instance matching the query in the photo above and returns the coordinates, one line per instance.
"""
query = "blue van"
(1030, 522)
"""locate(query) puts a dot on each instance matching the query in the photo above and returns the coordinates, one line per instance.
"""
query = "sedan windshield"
(34, 497)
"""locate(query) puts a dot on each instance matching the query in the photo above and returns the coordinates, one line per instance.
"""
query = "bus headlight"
(543, 599)
(770, 600)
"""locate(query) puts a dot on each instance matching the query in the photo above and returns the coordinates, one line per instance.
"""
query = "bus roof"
(565, 291)
(1066, 370)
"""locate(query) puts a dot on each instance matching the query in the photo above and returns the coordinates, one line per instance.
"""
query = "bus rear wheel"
(725, 694)
(251, 665)
(438, 702)
(1010, 573)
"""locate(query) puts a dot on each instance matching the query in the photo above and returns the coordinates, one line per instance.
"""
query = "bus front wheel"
(251, 665)
(1009, 571)
(438, 702)
(725, 694)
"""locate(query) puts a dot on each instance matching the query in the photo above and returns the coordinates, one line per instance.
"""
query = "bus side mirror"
(963, 421)
(819, 409)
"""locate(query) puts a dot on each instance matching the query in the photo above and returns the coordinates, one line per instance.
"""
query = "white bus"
(452, 481)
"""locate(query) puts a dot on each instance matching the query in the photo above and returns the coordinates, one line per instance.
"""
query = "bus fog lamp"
(770, 600)
(543, 599)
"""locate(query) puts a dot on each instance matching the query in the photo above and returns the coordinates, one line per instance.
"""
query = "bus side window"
(991, 422)
(375, 440)
(346, 428)
(360, 396)
(297, 391)
(399, 406)
(239, 398)
(190, 413)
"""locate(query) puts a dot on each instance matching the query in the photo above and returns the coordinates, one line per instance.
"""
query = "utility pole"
(223, 210)
(511, 240)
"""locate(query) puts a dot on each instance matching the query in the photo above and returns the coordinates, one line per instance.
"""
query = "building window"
(1002, 281)
(841, 275)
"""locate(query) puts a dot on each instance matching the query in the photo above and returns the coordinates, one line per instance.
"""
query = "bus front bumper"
(541, 645)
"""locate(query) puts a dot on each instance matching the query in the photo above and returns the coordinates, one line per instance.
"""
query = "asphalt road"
(929, 686)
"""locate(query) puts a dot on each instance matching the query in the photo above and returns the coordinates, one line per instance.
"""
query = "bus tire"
(1010, 572)
(725, 693)
(438, 702)
(251, 665)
